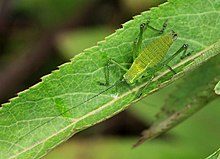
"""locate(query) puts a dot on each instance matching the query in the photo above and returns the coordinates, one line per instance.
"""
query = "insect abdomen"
(152, 54)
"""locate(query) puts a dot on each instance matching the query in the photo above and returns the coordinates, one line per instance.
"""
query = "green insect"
(150, 59)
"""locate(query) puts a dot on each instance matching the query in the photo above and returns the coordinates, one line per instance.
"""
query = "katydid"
(150, 59)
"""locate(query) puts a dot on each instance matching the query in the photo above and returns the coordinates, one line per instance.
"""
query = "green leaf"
(217, 88)
(215, 155)
(53, 110)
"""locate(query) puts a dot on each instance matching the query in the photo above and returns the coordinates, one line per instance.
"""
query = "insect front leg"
(185, 54)
(106, 75)
(110, 60)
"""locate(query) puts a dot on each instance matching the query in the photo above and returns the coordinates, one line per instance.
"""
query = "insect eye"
(185, 45)
(174, 34)
(142, 25)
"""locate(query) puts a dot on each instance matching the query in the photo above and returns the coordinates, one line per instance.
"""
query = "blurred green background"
(36, 36)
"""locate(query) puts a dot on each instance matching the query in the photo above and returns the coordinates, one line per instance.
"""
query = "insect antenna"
(117, 83)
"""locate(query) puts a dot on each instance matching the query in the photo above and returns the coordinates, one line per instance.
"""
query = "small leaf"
(215, 155)
(217, 88)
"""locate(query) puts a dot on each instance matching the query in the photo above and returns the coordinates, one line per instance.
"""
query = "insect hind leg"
(185, 54)
(183, 49)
